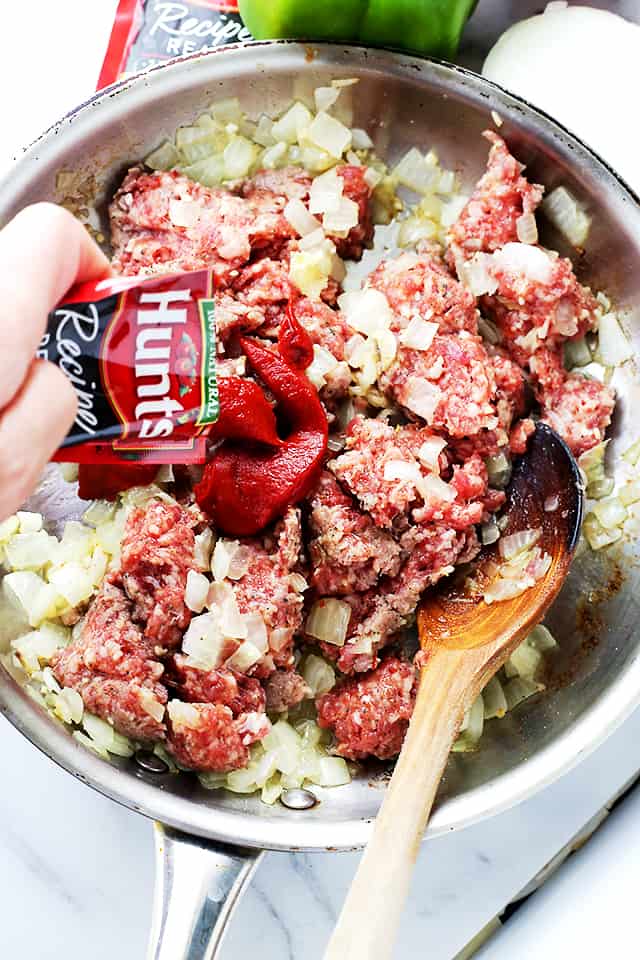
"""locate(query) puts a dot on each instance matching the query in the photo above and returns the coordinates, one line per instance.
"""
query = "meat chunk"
(224, 230)
(284, 689)
(451, 385)
(536, 300)
(113, 668)
(381, 468)
(157, 553)
(419, 284)
(348, 552)
(292, 183)
(501, 197)
(377, 615)
(577, 408)
(370, 715)
(234, 690)
(268, 588)
(206, 736)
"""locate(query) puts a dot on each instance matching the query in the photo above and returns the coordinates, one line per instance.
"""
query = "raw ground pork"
(395, 509)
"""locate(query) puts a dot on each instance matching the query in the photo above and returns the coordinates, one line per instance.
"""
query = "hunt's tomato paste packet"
(141, 355)
(148, 32)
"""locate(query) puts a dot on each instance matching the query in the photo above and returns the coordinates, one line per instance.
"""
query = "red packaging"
(148, 32)
(141, 355)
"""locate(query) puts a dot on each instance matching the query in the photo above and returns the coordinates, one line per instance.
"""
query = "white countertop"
(77, 870)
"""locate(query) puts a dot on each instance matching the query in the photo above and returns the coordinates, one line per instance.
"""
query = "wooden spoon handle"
(367, 926)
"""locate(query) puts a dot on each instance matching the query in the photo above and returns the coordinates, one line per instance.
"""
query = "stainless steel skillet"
(211, 840)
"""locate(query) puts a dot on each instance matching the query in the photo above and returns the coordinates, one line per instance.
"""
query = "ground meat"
(113, 668)
(348, 552)
(206, 736)
(373, 448)
(325, 326)
(381, 612)
(229, 228)
(157, 553)
(266, 587)
(369, 716)
(284, 689)
(501, 197)
(462, 378)
(538, 300)
(294, 183)
(577, 408)
(234, 690)
(421, 285)
(256, 295)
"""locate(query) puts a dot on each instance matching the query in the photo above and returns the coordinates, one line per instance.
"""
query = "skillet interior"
(401, 102)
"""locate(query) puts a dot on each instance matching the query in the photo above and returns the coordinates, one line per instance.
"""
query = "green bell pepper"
(422, 26)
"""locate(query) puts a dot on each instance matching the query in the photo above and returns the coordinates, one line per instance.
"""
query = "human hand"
(44, 250)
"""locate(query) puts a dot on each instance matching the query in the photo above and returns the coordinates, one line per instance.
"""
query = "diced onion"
(309, 270)
(542, 639)
(630, 492)
(292, 123)
(326, 192)
(256, 631)
(244, 658)
(610, 512)
(414, 172)
(519, 689)
(196, 591)
(203, 642)
(184, 213)
(419, 334)
(221, 558)
(367, 311)
(402, 470)
(433, 489)
(203, 548)
(319, 675)
(524, 662)
(489, 532)
(494, 700)
(429, 453)
(499, 470)
(613, 346)
(239, 156)
(329, 134)
(325, 97)
(73, 582)
(30, 551)
(567, 216)
(632, 455)
(516, 543)
(527, 228)
(598, 536)
(333, 772)
(422, 398)
(340, 221)
(29, 522)
(303, 222)
(328, 621)
(361, 139)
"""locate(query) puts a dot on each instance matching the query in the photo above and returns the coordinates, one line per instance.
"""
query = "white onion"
(387, 347)
(610, 512)
(244, 658)
(183, 714)
(328, 621)
(434, 489)
(202, 549)
(516, 543)
(279, 638)
(334, 772)
(30, 551)
(419, 334)
(598, 536)
(515, 259)
(476, 274)
(184, 213)
(402, 470)
(429, 453)
(613, 346)
(630, 492)
(196, 591)
(329, 134)
(274, 156)
(222, 599)
(414, 172)
(567, 216)
(551, 59)
(30, 522)
(361, 139)
(319, 675)
(309, 270)
(297, 582)
(72, 581)
(372, 177)
(291, 124)
(366, 310)
(223, 553)
(203, 642)
(303, 222)
(256, 631)
(263, 134)
(323, 362)
(325, 192)
(422, 397)
(340, 221)
(315, 239)
(489, 532)
(325, 97)
(527, 228)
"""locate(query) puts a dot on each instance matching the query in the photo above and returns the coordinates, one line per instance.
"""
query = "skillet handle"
(198, 884)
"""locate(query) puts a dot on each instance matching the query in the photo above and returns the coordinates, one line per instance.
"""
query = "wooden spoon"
(464, 642)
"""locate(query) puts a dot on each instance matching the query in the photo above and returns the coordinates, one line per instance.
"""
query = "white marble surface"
(76, 870)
